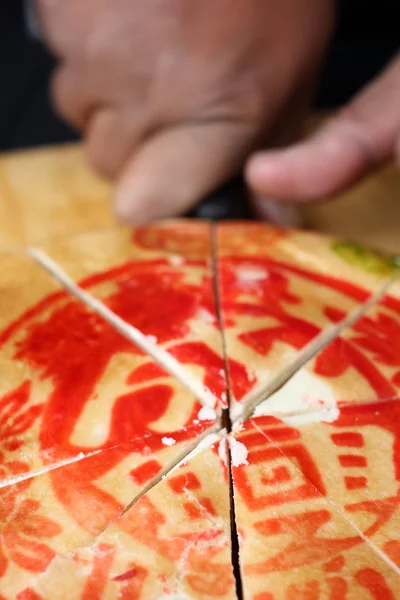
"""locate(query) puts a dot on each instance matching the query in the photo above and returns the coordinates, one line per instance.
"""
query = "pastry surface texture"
(197, 410)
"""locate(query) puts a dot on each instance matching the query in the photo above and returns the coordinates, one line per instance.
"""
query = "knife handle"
(231, 201)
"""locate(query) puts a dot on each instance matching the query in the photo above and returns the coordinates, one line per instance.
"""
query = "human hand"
(364, 135)
(172, 95)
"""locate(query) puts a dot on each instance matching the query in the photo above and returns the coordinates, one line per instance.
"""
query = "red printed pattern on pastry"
(71, 347)
(372, 342)
(283, 481)
(271, 297)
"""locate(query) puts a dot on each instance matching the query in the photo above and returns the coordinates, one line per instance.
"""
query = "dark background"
(367, 35)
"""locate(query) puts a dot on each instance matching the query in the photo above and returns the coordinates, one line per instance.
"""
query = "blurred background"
(367, 35)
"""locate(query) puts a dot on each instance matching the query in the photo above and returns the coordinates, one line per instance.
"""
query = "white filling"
(167, 441)
(206, 413)
(303, 393)
(239, 453)
(222, 451)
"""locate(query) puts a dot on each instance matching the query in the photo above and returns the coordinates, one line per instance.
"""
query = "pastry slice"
(53, 514)
(173, 543)
(158, 283)
(70, 384)
(361, 365)
(354, 461)
(283, 295)
(293, 543)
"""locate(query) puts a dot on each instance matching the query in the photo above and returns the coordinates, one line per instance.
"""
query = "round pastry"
(192, 410)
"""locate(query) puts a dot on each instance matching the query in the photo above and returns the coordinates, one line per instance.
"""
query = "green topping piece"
(369, 260)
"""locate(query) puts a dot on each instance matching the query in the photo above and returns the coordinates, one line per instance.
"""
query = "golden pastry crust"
(360, 365)
(282, 292)
(90, 424)
(158, 279)
(294, 542)
(70, 384)
(174, 542)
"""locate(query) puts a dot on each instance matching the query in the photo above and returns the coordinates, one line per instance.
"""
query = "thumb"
(177, 167)
(360, 138)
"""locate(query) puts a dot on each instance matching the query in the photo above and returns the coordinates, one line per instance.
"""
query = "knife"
(229, 202)
(232, 202)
